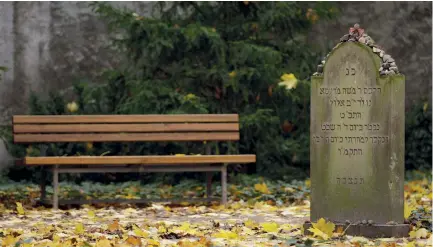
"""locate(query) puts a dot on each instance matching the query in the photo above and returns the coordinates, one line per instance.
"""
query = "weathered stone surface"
(357, 34)
(357, 139)
(404, 30)
(370, 230)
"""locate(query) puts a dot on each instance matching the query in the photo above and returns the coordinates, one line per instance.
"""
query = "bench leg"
(209, 184)
(56, 187)
(43, 184)
(224, 184)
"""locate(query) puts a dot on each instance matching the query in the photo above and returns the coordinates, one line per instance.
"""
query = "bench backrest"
(125, 128)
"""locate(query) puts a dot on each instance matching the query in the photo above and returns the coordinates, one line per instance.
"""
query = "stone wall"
(49, 45)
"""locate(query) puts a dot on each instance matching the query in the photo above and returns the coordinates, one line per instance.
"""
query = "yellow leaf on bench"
(179, 155)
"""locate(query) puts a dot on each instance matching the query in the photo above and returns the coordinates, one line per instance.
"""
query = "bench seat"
(141, 160)
(202, 128)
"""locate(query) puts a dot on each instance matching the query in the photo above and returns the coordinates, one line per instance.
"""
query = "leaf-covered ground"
(260, 213)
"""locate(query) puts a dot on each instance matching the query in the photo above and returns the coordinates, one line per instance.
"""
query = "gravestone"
(357, 139)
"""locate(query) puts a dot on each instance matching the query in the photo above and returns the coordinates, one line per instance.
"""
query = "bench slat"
(145, 160)
(173, 118)
(127, 137)
(89, 128)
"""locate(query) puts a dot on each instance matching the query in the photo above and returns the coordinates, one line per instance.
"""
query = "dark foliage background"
(219, 57)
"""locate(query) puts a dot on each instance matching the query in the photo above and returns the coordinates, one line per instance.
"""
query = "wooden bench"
(130, 128)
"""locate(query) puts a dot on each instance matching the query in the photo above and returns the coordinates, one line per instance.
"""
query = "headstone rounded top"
(357, 34)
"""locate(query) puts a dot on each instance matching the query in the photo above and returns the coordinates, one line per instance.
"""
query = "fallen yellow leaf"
(410, 244)
(162, 229)
(103, 243)
(225, 234)
(269, 227)
(20, 208)
(322, 229)
(251, 224)
(9, 240)
(140, 233)
(408, 208)
(91, 214)
(152, 243)
(134, 241)
(263, 188)
(420, 233)
(114, 226)
(318, 233)
(79, 228)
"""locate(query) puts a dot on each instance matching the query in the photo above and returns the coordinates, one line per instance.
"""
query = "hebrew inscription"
(350, 180)
(343, 100)
(348, 128)
(356, 133)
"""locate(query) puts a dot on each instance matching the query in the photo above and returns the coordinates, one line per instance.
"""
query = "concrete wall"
(403, 29)
(49, 45)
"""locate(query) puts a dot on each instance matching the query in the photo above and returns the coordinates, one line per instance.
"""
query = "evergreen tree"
(226, 57)
(206, 57)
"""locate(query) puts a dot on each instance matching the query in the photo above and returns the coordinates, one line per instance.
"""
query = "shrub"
(207, 57)
(418, 138)
(232, 55)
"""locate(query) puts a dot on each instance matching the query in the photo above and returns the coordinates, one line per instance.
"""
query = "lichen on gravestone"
(357, 34)
(357, 138)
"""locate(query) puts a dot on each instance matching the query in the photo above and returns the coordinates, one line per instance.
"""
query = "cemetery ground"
(260, 212)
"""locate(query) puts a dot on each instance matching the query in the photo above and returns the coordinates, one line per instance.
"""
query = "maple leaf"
(322, 229)
(9, 240)
(162, 229)
(418, 234)
(139, 233)
(410, 244)
(152, 243)
(91, 214)
(408, 208)
(134, 241)
(262, 188)
(72, 107)
(114, 226)
(319, 233)
(79, 228)
(269, 227)
(225, 234)
(251, 224)
(20, 208)
(103, 242)
(289, 81)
